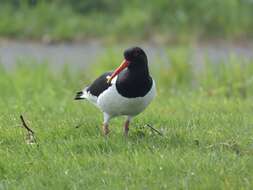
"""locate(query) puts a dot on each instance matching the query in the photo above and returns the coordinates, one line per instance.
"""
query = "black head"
(136, 57)
(135, 60)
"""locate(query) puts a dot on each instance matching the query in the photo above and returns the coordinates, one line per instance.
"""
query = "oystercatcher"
(125, 92)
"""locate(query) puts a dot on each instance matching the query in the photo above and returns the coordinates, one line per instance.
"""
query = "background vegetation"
(172, 20)
(203, 109)
(205, 118)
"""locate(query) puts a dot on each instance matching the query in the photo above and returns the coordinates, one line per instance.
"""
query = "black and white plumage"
(126, 91)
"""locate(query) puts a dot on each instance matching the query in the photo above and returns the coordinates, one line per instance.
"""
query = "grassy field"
(205, 115)
(111, 20)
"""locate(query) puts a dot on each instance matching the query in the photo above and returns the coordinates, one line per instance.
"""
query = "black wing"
(99, 85)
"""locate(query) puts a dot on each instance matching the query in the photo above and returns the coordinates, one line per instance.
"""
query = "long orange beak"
(122, 66)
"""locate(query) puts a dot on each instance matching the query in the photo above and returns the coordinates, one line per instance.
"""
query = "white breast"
(113, 103)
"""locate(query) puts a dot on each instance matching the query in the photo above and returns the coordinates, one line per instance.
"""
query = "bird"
(126, 91)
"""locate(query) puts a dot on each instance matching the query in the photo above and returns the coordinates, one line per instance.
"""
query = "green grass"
(206, 119)
(111, 20)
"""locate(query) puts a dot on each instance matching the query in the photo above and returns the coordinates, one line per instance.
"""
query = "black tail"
(78, 95)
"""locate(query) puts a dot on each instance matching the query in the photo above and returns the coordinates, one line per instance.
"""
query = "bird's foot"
(126, 132)
(105, 129)
(126, 128)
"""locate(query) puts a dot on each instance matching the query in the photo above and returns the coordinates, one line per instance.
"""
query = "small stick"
(30, 139)
(25, 125)
(158, 132)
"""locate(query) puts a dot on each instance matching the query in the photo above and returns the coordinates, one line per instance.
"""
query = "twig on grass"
(25, 125)
(30, 138)
(152, 128)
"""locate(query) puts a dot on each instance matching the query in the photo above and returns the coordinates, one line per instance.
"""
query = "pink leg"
(126, 127)
(107, 118)
(105, 129)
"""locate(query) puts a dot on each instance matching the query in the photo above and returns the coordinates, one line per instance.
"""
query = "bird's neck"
(134, 82)
(140, 70)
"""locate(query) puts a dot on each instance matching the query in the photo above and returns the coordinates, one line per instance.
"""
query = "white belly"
(111, 102)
